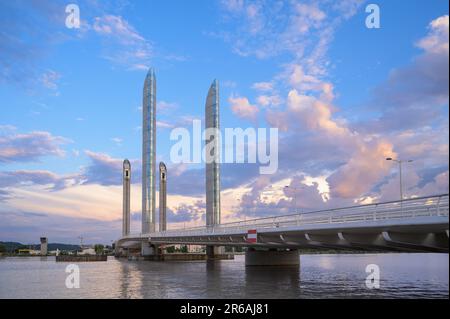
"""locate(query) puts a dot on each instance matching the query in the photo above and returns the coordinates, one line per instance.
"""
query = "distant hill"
(11, 246)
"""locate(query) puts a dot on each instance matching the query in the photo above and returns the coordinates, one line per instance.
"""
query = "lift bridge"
(413, 225)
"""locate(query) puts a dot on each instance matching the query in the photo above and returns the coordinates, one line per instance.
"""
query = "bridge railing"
(411, 208)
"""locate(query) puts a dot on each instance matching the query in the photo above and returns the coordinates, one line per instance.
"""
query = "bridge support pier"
(148, 250)
(213, 251)
(272, 257)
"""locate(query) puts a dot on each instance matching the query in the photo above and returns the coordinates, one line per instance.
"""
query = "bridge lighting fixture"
(400, 162)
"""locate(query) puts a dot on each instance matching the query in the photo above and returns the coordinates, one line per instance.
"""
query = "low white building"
(87, 251)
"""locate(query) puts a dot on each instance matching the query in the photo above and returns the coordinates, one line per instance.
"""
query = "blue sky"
(343, 96)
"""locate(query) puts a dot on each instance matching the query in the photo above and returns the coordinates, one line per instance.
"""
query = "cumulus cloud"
(437, 39)
(364, 158)
(366, 167)
(352, 155)
(269, 100)
(242, 108)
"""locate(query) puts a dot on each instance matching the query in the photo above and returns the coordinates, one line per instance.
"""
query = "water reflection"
(213, 277)
(272, 282)
(130, 280)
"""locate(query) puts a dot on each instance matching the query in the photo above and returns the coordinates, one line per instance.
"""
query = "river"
(319, 276)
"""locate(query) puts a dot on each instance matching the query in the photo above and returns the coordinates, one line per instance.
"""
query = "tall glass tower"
(212, 165)
(148, 152)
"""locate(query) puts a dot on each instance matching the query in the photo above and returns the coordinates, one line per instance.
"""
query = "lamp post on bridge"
(295, 195)
(239, 208)
(400, 162)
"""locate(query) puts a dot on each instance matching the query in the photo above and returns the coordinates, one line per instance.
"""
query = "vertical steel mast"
(162, 196)
(213, 165)
(126, 197)
(148, 152)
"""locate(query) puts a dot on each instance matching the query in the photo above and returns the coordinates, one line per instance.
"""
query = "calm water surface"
(319, 276)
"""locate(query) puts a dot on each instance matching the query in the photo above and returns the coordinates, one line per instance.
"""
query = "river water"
(319, 276)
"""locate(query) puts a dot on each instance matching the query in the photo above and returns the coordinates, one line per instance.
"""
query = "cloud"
(268, 28)
(163, 124)
(437, 39)
(6, 129)
(242, 108)
(50, 79)
(366, 167)
(363, 157)
(117, 140)
(30, 147)
(269, 100)
(416, 93)
(187, 213)
(124, 45)
(106, 170)
(117, 27)
(263, 86)
(413, 185)
(351, 156)
(166, 107)
(22, 44)
(4, 195)
(27, 177)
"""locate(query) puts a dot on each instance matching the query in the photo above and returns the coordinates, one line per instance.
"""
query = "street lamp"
(400, 162)
(295, 195)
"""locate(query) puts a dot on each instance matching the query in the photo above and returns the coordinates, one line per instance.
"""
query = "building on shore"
(44, 246)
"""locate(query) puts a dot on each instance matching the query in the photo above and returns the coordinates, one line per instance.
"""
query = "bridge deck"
(419, 224)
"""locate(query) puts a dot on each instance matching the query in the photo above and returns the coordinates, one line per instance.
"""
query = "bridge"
(412, 225)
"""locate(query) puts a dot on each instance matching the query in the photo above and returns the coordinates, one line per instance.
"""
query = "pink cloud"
(242, 108)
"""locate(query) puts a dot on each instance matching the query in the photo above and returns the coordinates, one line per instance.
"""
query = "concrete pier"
(148, 250)
(272, 258)
(213, 252)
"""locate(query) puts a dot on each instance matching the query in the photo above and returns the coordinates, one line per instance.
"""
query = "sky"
(342, 96)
